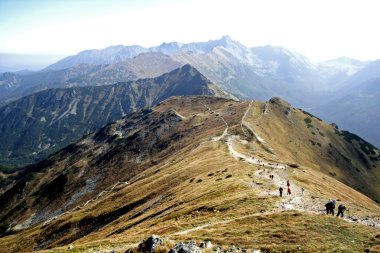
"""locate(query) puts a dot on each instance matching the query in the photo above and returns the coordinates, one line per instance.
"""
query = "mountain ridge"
(188, 166)
(250, 73)
(57, 117)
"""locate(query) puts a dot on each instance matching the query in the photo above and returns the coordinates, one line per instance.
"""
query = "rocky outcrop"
(150, 244)
(153, 242)
(185, 247)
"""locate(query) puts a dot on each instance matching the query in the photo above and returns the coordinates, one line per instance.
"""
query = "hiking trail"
(298, 200)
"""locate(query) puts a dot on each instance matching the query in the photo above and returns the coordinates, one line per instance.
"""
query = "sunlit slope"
(198, 168)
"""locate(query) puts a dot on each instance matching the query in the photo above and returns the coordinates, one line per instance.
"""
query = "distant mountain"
(370, 71)
(109, 55)
(255, 73)
(115, 54)
(250, 73)
(338, 71)
(355, 104)
(35, 126)
(145, 65)
(345, 64)
(356, 109)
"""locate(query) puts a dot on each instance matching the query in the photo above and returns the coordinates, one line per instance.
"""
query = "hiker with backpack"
(341, 209)
(330, 206)
(281, 190)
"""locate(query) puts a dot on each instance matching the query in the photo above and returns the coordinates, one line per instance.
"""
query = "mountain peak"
(227, 41)
(343, 60)
(187, 67)
(226, 38)
(188, 71)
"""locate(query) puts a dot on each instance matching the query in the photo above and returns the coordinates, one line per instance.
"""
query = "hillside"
(37, 125)
(198, 168)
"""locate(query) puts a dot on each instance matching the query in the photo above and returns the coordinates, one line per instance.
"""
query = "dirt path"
(95, 199)
(299, 199)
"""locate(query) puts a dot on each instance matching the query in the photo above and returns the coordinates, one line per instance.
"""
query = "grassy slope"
(204, 184)
(317, 145)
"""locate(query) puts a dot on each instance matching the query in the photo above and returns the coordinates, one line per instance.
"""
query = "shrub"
(307, 120)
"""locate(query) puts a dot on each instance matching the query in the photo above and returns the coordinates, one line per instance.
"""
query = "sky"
(318, 29)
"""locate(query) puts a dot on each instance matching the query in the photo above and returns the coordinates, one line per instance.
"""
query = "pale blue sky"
(319, 29)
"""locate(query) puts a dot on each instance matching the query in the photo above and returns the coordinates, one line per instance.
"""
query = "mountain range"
(39, 124)
(147, 65)
(197, 168)
(248, 73)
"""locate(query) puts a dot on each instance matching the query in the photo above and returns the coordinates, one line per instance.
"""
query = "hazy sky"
(319, 29)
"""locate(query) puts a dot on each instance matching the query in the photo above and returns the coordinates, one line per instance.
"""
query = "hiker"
(330, 206)
(281, 189)
(287, 183)
(341, 209)
(302, 190)
(289, 191)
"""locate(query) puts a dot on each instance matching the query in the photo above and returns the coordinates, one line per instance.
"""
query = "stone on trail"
(185, 247)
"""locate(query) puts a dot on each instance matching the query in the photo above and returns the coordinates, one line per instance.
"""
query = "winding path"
(298, 200)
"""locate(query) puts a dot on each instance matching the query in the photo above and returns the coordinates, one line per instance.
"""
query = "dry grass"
(199, 183)
(290, 231)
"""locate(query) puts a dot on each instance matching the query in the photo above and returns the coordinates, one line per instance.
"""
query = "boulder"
(185, 247)
(206, 245)
(150, 244)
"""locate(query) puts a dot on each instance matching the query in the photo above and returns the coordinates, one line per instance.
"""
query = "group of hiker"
(330, 207)
(289, 191)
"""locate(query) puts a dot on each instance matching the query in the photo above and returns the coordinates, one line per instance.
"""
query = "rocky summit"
(199, 171)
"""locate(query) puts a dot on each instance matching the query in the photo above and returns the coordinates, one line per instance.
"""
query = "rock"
(150, 244)
(70, 247)
(185, 247)
(232, 248)
(217, 249)
(206, 245)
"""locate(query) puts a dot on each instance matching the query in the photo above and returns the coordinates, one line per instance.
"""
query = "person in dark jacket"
(330, 206)
(341, 209)
(281, 190)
